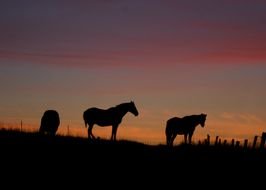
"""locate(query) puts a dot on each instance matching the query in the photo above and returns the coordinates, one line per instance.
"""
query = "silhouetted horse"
(110, 117)
(50, 122)
(185, 126)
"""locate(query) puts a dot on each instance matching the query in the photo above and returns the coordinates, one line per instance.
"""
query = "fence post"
(21, 125)
(207, 142)
(246, 143)
(216, 140)
(225, 142)
(263, 139)
(220, 142)
(255, 142)
(237, 144)
(233, 143)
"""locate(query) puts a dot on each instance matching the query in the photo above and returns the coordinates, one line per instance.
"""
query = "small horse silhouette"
(110, 117)
(50, 122)
(185, 126)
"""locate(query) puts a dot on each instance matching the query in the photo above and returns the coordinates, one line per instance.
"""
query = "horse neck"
(123, 109)
(195, 122)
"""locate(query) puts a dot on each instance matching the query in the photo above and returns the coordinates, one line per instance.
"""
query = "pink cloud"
(220, 41)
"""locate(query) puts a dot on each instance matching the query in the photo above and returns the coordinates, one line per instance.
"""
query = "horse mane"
(119, 106)
(194, 116)
(122, 104)
(190, 116)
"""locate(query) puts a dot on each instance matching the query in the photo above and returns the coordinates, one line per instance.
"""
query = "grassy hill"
(31, 154)
(100, 149)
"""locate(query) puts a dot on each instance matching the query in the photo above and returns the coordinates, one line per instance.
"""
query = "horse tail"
(85, 120)
(167, 134)
(167, 140)
(85, 123)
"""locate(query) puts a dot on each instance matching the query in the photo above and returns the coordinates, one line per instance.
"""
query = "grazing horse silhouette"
(110, 117)
(185, 126)
(50, 122)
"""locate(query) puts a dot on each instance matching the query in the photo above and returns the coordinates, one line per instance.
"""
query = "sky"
(172, 58)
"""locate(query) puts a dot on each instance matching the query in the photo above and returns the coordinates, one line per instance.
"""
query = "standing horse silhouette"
(110, 117)
(185, 126)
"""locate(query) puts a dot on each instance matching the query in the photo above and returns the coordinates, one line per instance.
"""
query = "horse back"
(50, 121)
(172, 124)
(179, 125)
(99, 116)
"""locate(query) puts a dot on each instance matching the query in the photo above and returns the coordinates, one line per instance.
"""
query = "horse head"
(133, 109)
(202, 119)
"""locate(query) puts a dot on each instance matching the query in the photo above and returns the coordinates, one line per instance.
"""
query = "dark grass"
(71, 157)
(103, 149)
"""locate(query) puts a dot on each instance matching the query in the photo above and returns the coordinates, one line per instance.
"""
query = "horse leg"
(172, 138)
(189, 138)
(114, 130)
(185, 136)
(168, 139)
(90, 132)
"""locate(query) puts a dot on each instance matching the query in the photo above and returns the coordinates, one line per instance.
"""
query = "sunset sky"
(172, 58)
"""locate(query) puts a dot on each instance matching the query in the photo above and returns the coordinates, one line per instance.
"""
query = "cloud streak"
(123, 33)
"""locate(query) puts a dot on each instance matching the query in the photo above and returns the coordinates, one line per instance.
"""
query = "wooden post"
(208, 140)
(225, 142)
(246, 143)
(255, 142)
(237, 144)
(21, 126)
(233, 143)
(263, 139)
(216, 140)
(220, 142)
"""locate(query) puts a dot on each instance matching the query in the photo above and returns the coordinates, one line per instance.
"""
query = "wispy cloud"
(121, 33)
(242, 118)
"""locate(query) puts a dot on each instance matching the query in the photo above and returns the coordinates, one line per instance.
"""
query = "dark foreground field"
(72, 156)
